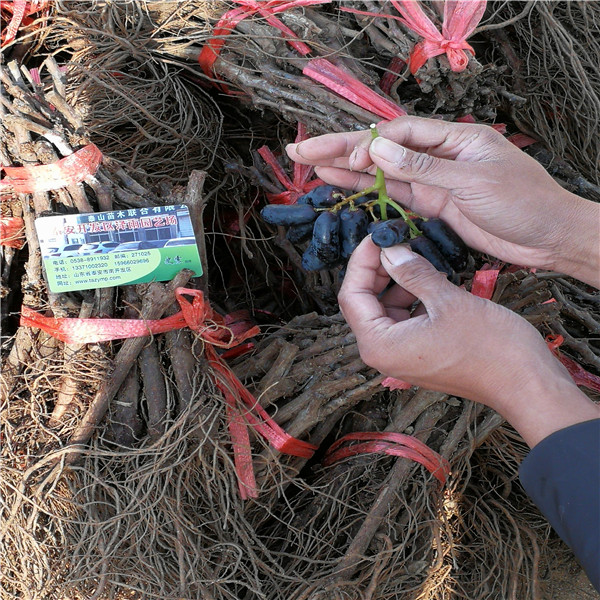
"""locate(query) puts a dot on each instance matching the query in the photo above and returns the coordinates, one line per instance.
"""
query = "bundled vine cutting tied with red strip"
(460, 19)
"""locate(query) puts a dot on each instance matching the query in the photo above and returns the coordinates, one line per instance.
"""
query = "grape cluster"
(334, 225)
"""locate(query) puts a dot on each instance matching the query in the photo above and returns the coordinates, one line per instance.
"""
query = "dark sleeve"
(562, 476)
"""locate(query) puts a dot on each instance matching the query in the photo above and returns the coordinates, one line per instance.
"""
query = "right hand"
(497, 198)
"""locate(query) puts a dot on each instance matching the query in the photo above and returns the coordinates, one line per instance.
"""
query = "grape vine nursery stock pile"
(336, 223)
(119, 476)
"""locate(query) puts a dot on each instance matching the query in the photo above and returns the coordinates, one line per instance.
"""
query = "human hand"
(456, 342)
(497, 198)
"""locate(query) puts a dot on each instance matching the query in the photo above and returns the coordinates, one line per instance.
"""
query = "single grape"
(427, 249)
(389, 233)
(288, 214)
(353, 228)
(326, 237)
(323, 196)
(310, 260)
(299, 233)
(447, 242)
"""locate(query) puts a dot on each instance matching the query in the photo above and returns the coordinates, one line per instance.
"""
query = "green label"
(96, 250)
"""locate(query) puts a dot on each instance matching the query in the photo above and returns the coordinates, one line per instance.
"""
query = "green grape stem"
(383, 200)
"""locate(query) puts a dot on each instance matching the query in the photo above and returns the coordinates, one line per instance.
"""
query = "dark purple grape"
(447, 241)
(389, 233)
(310, 260)
(391, 212)
(427, 249)
(326, 237)
(299, 233)
(288, 214)
(323, 196)
(353, 228)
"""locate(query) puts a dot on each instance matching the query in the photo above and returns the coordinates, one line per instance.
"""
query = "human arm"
(562, 476)
(497, 198)
(467, 346)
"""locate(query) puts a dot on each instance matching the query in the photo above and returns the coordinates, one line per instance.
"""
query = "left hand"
(456, 342)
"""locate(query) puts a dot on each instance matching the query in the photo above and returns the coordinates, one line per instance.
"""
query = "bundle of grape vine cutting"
(212, 461)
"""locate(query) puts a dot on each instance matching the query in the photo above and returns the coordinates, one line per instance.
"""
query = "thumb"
(404, 164)
(416, 275)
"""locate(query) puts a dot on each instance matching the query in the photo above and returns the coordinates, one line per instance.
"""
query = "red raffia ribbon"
(578, 373)
(212, 328)
(11, 232)
(302, 173)
(520, 140)
(395, 384)
(391, 75)
(347, 86)
(20, 10)
(484, 283)
(393, 444)
(460, 20)
(68, 171)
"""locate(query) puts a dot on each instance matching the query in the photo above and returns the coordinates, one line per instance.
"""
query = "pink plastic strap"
(460, 20)
(347, 86)
(68, 171)
(11, 232)
(484, 283)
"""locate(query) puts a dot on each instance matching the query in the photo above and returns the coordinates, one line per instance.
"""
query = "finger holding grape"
(460, 344)
(494, 196)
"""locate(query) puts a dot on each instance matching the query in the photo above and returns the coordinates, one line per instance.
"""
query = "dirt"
(568, 582)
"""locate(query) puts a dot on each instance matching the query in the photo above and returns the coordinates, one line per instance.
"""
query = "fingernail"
(398, 255)
(388, 150)
(294, 148)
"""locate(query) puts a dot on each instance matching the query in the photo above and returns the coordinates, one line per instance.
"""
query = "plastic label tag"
(122, 247)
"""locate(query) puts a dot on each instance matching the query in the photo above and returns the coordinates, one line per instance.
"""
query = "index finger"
(328, 149)
(442, 139)
(358, 297)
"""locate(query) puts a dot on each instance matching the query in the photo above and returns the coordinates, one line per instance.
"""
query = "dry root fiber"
(148, 114)
(554, 61)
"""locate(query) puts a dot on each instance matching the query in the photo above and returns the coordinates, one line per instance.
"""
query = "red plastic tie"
(578, 373)
(214, 330)
(388, 79)
(460, 20)
(393, 444)
(395, 384)
(228, 22)
(11, 232)
(21, 10)
(520, 140)
(484, 283)
(68, 171)
(302, 173)
(347, 86)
